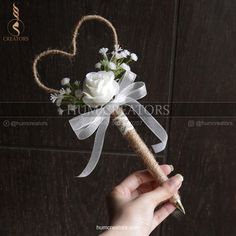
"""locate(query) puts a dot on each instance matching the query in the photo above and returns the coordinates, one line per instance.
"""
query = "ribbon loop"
(127, 79)
(86, 124)
(151, 123)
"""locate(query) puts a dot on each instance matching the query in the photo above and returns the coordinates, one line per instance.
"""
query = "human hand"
(132, 204)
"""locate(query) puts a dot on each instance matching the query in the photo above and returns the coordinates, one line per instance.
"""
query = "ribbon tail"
(97, 148)
(152, 124)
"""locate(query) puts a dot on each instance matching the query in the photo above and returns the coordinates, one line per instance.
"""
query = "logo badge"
(15, 26)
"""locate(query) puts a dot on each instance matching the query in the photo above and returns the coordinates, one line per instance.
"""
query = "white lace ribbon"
(86, 124)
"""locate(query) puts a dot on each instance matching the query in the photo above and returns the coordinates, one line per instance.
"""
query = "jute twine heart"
(74, 50)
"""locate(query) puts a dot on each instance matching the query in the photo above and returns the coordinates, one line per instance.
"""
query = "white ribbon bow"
(86, 124)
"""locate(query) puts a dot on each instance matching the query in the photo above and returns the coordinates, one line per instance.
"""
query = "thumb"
(165, 191)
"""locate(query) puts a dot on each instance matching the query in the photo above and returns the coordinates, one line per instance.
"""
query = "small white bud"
(98, 65)
(60, 111)
(134, 57)
(123, 54)
(65, 81)
(103, 51)
(127, 52)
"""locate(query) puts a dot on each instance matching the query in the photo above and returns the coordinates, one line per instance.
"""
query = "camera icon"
(191, 123)
(6, 123)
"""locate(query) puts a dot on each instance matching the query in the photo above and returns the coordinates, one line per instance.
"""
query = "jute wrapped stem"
(142, 151)
(119, 118)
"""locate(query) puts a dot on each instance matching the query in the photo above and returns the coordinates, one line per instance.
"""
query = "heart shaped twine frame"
(51, 52)
(118, 116)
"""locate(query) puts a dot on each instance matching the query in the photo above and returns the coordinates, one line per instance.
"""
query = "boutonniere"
(97, 88)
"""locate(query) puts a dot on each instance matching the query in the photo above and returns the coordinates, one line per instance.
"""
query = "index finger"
(133, 181)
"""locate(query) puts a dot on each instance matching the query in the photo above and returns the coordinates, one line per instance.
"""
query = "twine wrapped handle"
(118, 116)
(51, 52)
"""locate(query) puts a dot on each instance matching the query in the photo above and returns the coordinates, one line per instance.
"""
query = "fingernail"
(180, 177)
(176, 180)
(171, 167)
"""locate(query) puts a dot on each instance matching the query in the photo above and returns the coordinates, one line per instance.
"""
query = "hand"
(132, 204)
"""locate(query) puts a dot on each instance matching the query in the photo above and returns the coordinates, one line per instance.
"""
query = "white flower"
(98, 65)
(62, 91)
(134, 57)
(78, 93)
(65, 81)
(120, 55)
(126, 52)
(103, 51)
(68, 90)
(112, 65)
(125, 66)
(59, 100)
(60, 111)
(60, 96)
(53, 97)
(123, 54)
(57, 97)
(99, 88)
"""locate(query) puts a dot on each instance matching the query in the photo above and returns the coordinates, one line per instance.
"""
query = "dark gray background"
(187, 54)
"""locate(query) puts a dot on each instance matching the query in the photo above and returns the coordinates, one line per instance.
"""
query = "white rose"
(99, 88)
